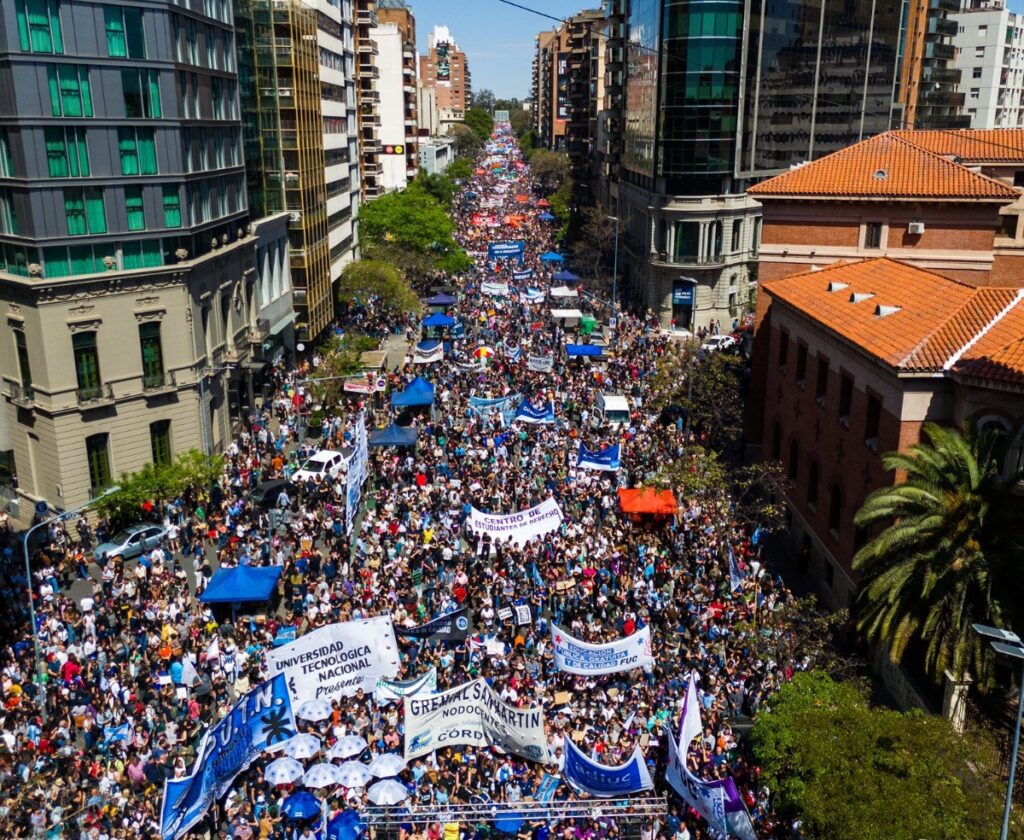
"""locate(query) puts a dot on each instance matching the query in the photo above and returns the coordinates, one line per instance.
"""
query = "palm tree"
(946, 556)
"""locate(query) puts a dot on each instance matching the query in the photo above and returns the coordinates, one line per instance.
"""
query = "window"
(97, 454)
(69, 90)
(874, 416)
(87, 364)
(141, 254)
(873, 235)
(217, 97)
(755, 238)
(152, 355)
(39, 26)
(737, 235)
(982, 30)
(6, 162)
(141, 93)
(67, 155)
(835, 510)
(979, 52)
(21, 350)
(812, 485)
(84, 211)
(124, 32)
(821, 387)
(160, 441)
(801, 362)
(138, 151)
(794, 459)
(783, 350)
(976, 73)
(975, 93)
(845, 399)
(172, 207)
(8, 220)
(134, 208)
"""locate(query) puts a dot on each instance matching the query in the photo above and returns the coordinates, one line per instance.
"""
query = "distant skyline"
(498, 39)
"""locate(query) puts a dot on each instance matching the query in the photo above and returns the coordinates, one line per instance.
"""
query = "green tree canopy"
(411, 218)
(853, 772)
(364, 279)
(551, 169)
(481, 122)
(190, 472)
(949, 553)
(340, 357)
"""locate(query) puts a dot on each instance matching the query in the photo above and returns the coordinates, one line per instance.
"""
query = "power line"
(533, 11)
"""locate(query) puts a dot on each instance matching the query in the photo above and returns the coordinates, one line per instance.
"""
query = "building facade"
(927, 93)
(446, 69)
(990, 58)
(551, 89)
(128, 271)
(399, 13)
(587, 51)
(368, 99)
(709, 109)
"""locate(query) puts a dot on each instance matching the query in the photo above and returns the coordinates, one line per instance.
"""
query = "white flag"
(189, 675)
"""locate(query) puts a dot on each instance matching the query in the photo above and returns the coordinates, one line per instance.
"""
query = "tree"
(340, 357)
(520, 120)
(551, 169)
(839, 765)
(189, 473)
(410, 218)
(467, 142)
(483, 100)
(595, 241)
(367, 279)
(949, 553)
(481, 122)
(460, 169)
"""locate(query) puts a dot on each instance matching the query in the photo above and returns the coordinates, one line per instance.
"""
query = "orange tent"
(648, 500)
(522, 199)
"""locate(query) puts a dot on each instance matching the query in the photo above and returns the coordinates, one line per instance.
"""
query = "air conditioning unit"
(915, 228)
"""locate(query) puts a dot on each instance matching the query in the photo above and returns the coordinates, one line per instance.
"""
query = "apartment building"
(446, 69)
(368, 99)
(990, 58)
(399, 13)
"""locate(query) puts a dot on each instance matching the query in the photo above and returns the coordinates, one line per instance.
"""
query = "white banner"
(357, 471)
(473, 715)
(706, 799)
(576, 657)
(337, 660)
(522, 526)
(388, 691)
(428, 357)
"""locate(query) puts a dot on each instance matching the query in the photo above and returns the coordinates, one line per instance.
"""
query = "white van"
(611, 410)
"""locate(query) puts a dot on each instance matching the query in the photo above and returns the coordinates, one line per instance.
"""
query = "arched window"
(794, 459)
(776, 441)
(1013, 461)
(835, 510)
(812, 485)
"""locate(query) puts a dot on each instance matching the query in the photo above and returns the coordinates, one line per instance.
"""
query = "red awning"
(543, 203)
(648, 500)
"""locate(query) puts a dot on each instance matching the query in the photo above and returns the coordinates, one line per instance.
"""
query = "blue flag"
(116, 734)
(605, 459)
(735, 575)
(598, 779)
(529, 414)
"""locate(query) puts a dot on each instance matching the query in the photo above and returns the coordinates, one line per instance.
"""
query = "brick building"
(947, 201)
(446, 69)
(851, 360)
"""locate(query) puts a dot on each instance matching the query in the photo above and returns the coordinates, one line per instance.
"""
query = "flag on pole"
(606, 459)
(735, 575)
(189, 674)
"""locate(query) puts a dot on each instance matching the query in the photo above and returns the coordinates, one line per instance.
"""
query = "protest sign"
(601, 780)
(388, 691)
(605, 459)
(541, 364)
(520, 527)
(576, 657)
(451, 627)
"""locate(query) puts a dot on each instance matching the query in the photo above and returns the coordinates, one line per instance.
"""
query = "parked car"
(264, 494)
(676, 333)
(326, 463)
(719, 342)
(131, 541)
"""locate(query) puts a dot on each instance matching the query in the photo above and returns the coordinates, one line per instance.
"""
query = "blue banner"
(605, 459)
(528, 414)
(735, 575)
(505, 406)
(262, 718)
(526, 274)
(532, 296)
(597, 779)
(547, 787)
(506, 249)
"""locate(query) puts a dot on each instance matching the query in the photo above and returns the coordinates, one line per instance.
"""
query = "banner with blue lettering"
(605, 459)
(262, 718)
(505, 249)
(576, 657)
(597, 779)
(531, 295)
(527, 413)
(505, 406)
(526, 274)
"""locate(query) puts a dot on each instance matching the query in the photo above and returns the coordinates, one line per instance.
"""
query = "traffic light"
(394, 150)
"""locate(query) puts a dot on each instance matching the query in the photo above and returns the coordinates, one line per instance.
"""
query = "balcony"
(155, 383)
(944, 5)
(943, 52)
(94, 395)
(371, 71)
(23, 396)
(942, 98)
(367, 47)
(942, 26)
(941, 75)
(366, 17)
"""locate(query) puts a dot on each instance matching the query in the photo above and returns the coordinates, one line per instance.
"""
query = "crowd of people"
(85, 753)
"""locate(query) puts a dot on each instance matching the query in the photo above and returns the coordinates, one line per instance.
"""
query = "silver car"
(131, 541)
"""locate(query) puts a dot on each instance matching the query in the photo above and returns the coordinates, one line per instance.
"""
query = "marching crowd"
(88, 757)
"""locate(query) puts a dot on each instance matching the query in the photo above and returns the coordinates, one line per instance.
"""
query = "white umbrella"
(388, 764)
(282, 771)
(388, 792)
(353, 774)
(321, 775)
(314, 710)
(349, 746)
(302, 746)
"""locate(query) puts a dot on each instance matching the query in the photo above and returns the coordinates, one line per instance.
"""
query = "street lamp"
(28, 578)
(1007, 643)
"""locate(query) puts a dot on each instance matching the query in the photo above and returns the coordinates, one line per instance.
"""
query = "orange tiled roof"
(884, 166)
(1003, 145)
(999, 354)
(936, 317)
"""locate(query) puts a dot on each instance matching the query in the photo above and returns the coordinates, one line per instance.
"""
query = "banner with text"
(473, 715)
(576, 657)
(521, 527)
(388, 691)
(262, 718)
(506, 248)
(541, 364)
(601, 780)
(453, 627)
(337, 660)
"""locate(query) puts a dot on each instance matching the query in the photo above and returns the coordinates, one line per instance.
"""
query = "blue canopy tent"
(546, 216)
(439, 319)
(393, 435)
(565, 276)
(440, 299)
(551, 256)
(419, 392)
(582, 350)
(243, 583)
